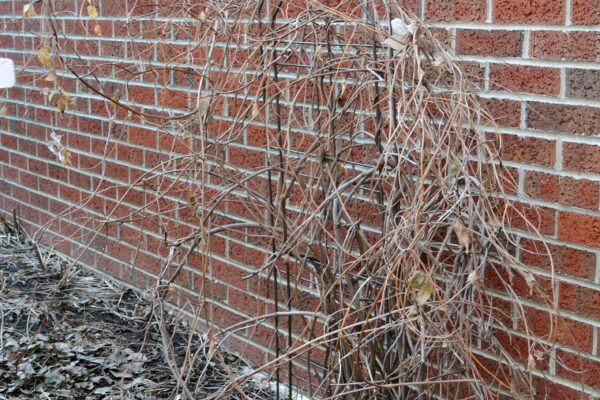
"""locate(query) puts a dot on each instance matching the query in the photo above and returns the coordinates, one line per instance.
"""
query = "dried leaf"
(192, 201)
(98, 30)
(487, 185)
(3, 111)
(140, 381)
(462, 233)
(255, 110)
(531, 363)
(438, 64)
(424, 293)
(401, 28)
(43, 55)
(454, 169)
(530, 280)
(51, 95)
(422, 288)
(474, 279)
(63, 101)
(65, 157)
(92, 11)
(28, 10)
(56, 147)
(319, 52)
(51, 77)
(212, 348)
(417, 280)
(493, 216)
(396, 42)
(204, 102)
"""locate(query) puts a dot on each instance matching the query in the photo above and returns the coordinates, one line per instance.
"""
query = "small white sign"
(7, 73)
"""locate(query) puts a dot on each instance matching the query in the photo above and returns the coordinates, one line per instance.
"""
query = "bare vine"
(349, 145)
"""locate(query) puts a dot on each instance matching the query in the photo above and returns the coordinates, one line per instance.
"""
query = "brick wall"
(536, 62)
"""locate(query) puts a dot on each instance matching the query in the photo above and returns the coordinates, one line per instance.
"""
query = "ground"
(67, 334)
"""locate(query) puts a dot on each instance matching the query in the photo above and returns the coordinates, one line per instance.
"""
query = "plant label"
(7, 73)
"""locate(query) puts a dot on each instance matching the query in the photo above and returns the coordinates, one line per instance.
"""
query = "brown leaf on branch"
(462, 233)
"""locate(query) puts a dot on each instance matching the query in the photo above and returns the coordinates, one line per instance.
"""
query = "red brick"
(229, 274)
(548, 390)
(474, 72)
(581, 300)
(557, 329)
(245, 302)
(246, 158)
(556, 45)
(530, 218)
(564, 190)
(173, 144)
(142, 146)
(581, 157)
(504, 112)
(578, 368)
(117, 171)
(489, 43)
(141, 94)
(528, 150)
(527, 79)
(265, 336)
(130, 154)
(456, 10)
(529, 11)
(69, 194)
(583, 83)
(579, 228)
(585, 12)
(113, 8)
(173, 98)
(246, 255)
(563, 118)
(498, 278)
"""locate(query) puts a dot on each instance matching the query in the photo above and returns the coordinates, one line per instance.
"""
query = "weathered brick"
(585, 12)
(489, 43)
(558, 329)
(556, 45)
(456, 10)
(564, 190)
(529, 11)
(547, 389)
(518, 78)
(565, 260)
(581, 157)
(583, 83)
(578, 368)
(528, 150)
(474, 72)
(581, 300)
(579, 228)
(563, 118)
(531, 218)
(504, 112)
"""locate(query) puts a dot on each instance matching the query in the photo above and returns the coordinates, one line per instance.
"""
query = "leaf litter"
(68, 334)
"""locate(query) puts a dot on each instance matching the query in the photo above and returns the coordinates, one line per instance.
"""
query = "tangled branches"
(346, 144)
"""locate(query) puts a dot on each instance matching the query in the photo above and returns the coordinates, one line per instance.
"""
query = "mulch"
(68, 334)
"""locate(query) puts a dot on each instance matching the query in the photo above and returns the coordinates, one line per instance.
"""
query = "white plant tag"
(7, 73)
